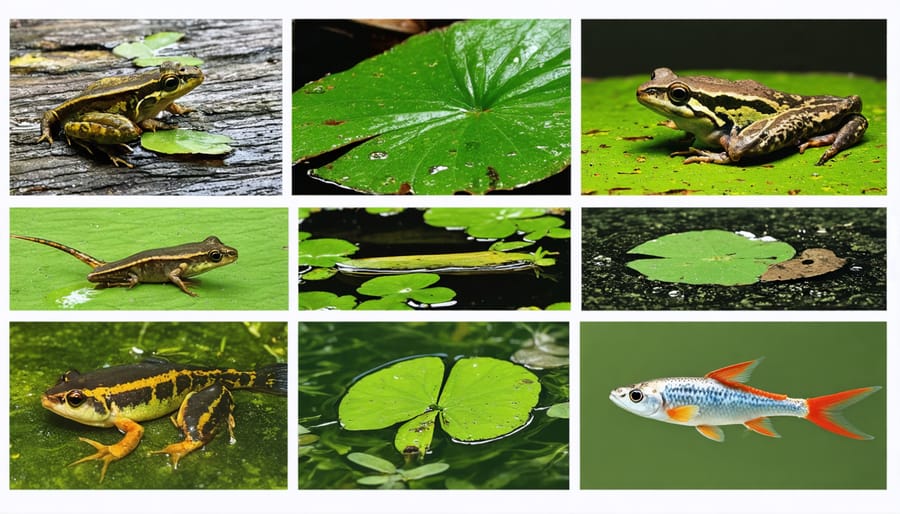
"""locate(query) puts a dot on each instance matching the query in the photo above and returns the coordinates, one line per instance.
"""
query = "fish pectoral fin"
(683, 413)
(711, 432)
(762, 426)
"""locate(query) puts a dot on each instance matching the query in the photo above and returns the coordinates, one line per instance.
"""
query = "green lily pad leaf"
(388, 303)
(372, 462)
(385, 211)
(162, 39)
(425, 470)
(319, 274)
(133, 50)
(393, 394)
(303, 235)
(413, 286)
(485, 398)
(709, 257)
(416, 433)
(324, 252)
(479, 106)
(482, 223)
(559, 410)
(145, 62)
(319, 300)
(182, 141)
(559, 306)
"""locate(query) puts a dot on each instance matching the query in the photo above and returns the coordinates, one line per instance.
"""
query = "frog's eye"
(170, 84)
(635, 395)
(215, 255)
(679, 94)
(75, 398)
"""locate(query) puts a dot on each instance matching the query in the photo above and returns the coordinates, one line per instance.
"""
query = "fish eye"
(75, 398)
(679, 94)
(215, 255)
(170, 83)
(635, 395)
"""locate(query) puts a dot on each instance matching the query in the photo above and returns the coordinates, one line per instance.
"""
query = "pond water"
(333, 355)
(406, 233)
(42, 443)
(857, 235)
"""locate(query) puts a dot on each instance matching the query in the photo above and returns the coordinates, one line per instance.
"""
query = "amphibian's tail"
(825, 411)
(81, 256)
(271, 378)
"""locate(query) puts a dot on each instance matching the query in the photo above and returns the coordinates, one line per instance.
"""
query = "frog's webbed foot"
(114, 452)
(699, 155)
(178, 450)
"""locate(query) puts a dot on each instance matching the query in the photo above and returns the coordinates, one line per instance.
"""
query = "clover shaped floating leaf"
(324, 252)
(709, 257)
(483, 399)
(395, 290)
(479, 106)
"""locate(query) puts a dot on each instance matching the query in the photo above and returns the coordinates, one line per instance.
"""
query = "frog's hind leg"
(113, 452)
(850, 133)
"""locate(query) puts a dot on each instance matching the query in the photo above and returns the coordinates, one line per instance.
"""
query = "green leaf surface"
(481, 105)
(709, 257)
(559, 410)
(417, 432)
(183, 141)
(324, 252)
(133, 50)
(485, 398)
(395, 302)
(372, 462)
(145, 62)
(401, 287)
(162, 39)
(426, 470)
(625, 150)
(392, 394)
(318, 300)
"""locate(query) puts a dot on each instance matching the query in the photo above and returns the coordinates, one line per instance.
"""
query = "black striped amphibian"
(122, 396)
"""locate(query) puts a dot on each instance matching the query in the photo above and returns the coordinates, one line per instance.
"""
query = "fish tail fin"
(825, 411)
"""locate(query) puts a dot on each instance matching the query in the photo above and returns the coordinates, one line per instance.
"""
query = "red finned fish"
(723, 398)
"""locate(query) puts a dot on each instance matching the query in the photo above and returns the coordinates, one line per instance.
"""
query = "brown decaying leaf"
(811, 263)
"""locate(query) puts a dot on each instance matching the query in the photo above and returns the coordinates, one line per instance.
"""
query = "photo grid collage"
(559, 263)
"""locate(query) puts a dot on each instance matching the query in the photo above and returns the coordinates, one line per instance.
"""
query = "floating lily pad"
(483, 399)
(709, 257)
(481, 105)
(413, 286)
(324, 252)
(498, 223)
(319, 300)
(182, 141)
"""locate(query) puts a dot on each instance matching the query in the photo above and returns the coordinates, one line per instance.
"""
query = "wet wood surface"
(241, 97)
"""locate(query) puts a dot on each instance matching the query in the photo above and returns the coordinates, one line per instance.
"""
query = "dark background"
(633, 47)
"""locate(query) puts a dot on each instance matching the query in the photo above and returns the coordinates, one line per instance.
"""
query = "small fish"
(723, 398)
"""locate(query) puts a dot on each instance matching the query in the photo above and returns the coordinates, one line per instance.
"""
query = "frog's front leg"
(175, 278)
(109, 453)
(850, 133)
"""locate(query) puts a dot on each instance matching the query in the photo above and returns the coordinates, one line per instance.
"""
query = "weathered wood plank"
(241, 97)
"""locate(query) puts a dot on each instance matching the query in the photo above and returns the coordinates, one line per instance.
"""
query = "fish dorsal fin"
(683, 413)
(736, 373)
(711, 432)
(762, 426)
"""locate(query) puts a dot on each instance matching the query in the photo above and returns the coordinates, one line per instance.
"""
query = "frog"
(749, 120)
(115, 111)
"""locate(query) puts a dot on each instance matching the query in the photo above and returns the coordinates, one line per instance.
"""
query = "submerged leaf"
(479, 106)
(709, 257)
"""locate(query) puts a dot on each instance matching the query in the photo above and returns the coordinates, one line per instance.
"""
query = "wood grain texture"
(241, 98)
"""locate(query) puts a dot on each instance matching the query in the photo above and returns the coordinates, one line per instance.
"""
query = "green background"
(41, 276)
(42, 444)
(621, 450)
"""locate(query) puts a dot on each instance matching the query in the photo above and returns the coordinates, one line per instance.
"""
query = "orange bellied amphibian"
(123, 396)
(114, 111)
(174, 264)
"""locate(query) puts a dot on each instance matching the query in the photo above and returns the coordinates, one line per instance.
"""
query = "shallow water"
(332, 355)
